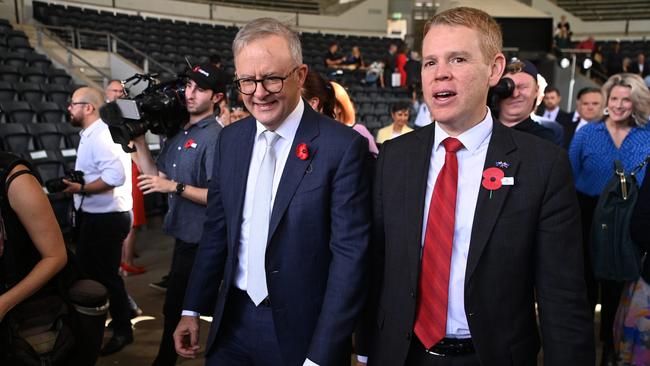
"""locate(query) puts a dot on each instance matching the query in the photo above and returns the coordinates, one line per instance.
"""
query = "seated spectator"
(562, 38)
(400, 113)
(413, 69)
(587, 44)
(375, 74)
(354, 60)
(333, 58)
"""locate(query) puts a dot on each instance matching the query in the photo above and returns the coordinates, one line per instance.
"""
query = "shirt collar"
(86, 132)
(288, 127)
(554, 110)
(472, 138)
(204, 122)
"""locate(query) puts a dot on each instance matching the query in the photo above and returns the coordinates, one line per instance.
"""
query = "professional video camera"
(160, 108)
(56, 185)
(504, 89)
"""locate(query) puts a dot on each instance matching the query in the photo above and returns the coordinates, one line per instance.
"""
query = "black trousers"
(179, 276)
(99, 252)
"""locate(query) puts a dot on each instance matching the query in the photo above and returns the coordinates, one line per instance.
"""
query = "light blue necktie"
(259, 226)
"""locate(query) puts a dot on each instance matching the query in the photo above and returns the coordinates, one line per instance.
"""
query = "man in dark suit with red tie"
(476, 226)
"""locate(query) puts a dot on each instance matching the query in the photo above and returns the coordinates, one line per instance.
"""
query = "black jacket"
(640, 225)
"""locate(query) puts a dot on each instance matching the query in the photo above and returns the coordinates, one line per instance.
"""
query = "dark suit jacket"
(640, 224)
(525, 247)
(634, 69)
(318, 238)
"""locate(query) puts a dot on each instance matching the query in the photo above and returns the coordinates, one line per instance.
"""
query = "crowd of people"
(465, 240)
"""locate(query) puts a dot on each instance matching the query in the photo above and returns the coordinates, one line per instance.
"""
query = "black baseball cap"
(519, 65)
(207, 76)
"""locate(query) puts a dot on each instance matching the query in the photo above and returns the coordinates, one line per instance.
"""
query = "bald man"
(103, 202)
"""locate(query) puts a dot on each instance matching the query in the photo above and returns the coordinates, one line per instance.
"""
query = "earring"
(606, 111)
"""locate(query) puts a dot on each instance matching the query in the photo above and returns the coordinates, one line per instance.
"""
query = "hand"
(154, 183)
(186, 337)
(72, 187)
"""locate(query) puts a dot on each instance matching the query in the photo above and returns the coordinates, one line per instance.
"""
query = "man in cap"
(183, 171)
(515, 110)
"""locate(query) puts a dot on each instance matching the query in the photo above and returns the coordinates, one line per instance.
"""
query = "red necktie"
(431, 317)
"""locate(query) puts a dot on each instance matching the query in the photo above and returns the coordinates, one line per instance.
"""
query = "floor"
(154, 249)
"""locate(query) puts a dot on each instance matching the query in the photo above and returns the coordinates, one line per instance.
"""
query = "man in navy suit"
(287, 224)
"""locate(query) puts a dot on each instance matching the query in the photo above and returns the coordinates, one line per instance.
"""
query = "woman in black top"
(32, 250)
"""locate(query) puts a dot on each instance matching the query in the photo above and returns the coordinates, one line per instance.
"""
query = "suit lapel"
(417, 171)
(488, 209)
(243, 150)
(295, 169)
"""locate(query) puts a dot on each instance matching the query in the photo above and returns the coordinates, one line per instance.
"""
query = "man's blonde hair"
(491, 38)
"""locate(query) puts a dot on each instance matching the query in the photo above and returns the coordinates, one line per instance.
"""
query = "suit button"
(275, 272)
(413, 294)
(408, 336)
(471, 315)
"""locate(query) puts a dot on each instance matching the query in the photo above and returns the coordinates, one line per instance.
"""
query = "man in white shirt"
(103, 203)
(589, 107)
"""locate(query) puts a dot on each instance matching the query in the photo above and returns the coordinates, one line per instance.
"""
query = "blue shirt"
(188, 158)
(593, 152)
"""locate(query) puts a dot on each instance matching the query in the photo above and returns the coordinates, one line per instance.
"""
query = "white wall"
(496, 8)
(600, 29)
(367, 18)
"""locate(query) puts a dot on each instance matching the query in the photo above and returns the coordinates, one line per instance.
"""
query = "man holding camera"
(183, 170)
(103, 203)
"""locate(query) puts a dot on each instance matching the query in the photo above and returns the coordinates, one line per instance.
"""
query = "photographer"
(183, 170)
(515, 110)
(103, 203)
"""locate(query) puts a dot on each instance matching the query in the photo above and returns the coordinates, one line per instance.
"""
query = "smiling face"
(456, 76)
(517, 107)
(620, 105)
(401, 117)
(270, 57)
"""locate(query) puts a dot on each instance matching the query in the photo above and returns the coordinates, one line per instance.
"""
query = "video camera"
(504, 89)
(160, 108)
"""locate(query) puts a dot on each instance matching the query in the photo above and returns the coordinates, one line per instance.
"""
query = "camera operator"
(515, 110)
(183, 170)
(103, 204)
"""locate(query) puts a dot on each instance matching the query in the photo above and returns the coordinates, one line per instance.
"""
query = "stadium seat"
(47, 136)
(9, 73)
(50, 112)
(17, 111)
(16, 138)
(30, 92)
(13, 59)
(57, 93)
(7, 91)
(58, 76)
(71, 134)
(47, 164)
(33, 75)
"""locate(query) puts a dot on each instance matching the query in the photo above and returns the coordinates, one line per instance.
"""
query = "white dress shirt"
(471, 160)
(552, 114)
(99, 157)
(287, 132)
(423, 117)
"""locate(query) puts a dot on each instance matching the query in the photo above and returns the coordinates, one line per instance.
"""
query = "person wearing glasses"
(103, 204)
(182, 171)
(285, 240)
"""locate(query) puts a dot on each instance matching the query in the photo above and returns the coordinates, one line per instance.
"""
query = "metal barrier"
(112, 42)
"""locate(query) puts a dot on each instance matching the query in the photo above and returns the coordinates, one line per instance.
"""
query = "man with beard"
(103, 203)
(183, 171)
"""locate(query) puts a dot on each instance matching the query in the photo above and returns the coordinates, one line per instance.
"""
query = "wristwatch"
(180, 188)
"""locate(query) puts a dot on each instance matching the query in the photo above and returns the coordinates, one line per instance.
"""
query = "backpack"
(614, 255)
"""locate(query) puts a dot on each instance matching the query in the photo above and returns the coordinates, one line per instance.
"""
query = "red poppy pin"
(190, 143)
(492, 179)
(302, 151)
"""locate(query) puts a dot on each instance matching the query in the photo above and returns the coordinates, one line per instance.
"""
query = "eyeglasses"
(72, 104)
(272, 84)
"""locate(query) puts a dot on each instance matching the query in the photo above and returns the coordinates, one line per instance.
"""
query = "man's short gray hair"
(265, 27)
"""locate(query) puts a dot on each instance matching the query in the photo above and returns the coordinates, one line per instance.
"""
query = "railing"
(44, 31)
(573, 53)
(112, 42)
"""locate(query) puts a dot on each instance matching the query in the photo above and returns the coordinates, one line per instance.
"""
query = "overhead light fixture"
(564, 63)
(587, 63)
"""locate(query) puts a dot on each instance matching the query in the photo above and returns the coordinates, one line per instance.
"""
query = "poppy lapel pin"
(302, 151)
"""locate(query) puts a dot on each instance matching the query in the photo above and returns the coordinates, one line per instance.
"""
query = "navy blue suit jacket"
(318, 238)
